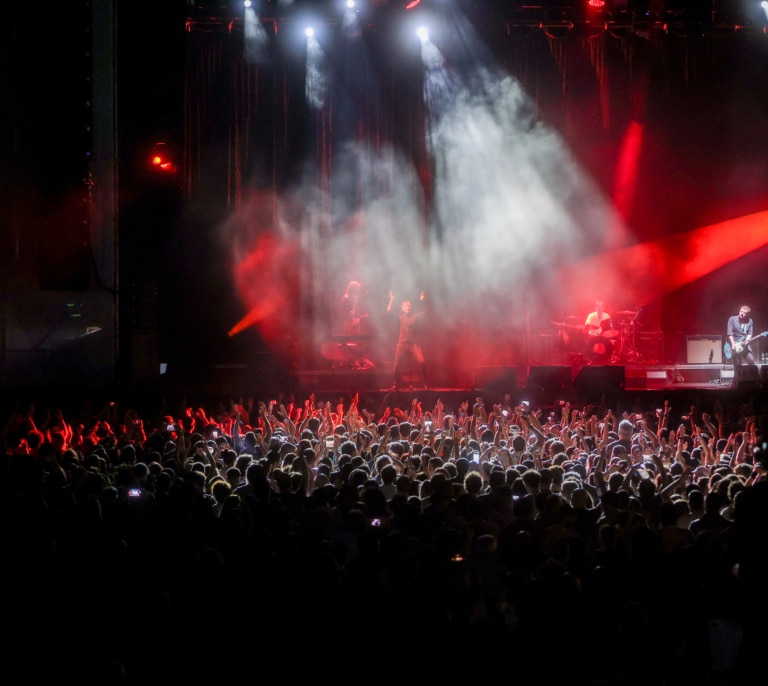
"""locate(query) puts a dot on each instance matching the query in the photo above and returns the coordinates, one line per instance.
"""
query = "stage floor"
(544, 381)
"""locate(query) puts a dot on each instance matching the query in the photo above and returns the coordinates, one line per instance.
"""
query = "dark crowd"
(479, 544)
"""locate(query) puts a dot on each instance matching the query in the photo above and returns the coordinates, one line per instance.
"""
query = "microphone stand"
(633, 323)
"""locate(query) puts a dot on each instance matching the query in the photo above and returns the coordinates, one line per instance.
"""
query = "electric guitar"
(738, 346)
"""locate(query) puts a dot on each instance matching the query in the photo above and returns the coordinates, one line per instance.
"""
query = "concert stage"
(545, 384)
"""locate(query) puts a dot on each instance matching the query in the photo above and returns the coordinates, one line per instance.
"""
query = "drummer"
(598, 320)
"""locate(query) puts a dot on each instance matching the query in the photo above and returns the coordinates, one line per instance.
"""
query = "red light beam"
(649, 270)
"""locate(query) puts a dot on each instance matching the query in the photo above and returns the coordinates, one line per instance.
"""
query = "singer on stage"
(408, 352)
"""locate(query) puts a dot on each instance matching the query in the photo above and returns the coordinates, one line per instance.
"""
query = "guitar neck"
(743, 338)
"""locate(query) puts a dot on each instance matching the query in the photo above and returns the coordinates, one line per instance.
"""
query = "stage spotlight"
(247, 4)
(596, 3)
(412, 4)
(309, 32)
(350, 21)
(423, 34)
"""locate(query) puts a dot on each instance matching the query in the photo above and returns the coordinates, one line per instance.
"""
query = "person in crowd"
(472, 535)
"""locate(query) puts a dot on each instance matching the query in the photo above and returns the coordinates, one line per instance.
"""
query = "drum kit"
(612, 343)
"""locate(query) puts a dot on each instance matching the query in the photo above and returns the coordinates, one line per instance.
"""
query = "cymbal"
(566, 324)
(628, 313)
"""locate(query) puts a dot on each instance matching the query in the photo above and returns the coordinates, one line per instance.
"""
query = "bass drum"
(600, 350)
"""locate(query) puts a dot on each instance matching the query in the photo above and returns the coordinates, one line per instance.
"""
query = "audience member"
(325, 530)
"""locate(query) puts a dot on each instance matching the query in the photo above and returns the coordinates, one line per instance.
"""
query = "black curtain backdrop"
(249, 126)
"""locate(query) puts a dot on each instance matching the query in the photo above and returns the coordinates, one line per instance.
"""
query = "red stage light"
(657, 268)
(161, 158)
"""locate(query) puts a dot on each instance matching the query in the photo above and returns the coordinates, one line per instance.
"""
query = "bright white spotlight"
(350, 22)
(309, 32)
(423, 34)
(247, 4)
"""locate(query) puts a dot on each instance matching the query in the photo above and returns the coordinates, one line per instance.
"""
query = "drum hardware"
(566, 325)
(601, 349)
(612, 343)
(608, 329)
(347, 351)
(569, 338)
(629, 352)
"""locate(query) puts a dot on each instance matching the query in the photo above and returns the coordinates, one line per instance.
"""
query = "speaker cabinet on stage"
(705, 350)
(650, 346)
(746, 377)
(549, 379)
(600, 379)
(502, 379)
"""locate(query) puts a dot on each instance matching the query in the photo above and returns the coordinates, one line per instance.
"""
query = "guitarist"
(740, 332)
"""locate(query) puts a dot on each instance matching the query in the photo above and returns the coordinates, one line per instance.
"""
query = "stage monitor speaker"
(705, 350)
(746, 377)
(502, 379)
(600, 379)
(82, 362)
(549, 379)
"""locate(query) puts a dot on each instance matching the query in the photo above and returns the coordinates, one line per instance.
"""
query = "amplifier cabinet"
(705, 350)
(650, 346)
